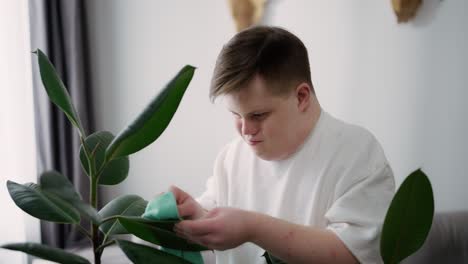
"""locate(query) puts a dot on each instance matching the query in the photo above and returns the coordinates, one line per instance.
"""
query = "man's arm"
(225, 228)
(295, 243)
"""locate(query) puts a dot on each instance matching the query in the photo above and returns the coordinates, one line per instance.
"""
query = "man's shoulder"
(352, 144)
(343, 132)
(356, 153)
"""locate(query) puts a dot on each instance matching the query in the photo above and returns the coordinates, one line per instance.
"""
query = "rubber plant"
(104, 158)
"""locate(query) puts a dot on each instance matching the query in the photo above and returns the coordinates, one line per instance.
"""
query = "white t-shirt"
(339, 179)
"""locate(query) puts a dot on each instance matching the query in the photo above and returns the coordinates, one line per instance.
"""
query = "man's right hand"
(187, 206)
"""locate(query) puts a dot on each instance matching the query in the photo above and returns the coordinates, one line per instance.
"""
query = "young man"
(297, 183)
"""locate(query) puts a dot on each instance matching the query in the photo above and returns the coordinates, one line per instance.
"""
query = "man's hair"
(276, 55)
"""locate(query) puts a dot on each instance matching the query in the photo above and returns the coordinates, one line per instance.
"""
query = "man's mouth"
(253, 142)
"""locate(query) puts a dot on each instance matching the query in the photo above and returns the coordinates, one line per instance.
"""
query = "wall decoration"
(405, 9)
(246, 12)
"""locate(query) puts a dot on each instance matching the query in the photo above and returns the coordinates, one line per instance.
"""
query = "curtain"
(59, 29)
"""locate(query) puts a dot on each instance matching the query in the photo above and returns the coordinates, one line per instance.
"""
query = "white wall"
(406, 83)
(18, 149)
(140, 45)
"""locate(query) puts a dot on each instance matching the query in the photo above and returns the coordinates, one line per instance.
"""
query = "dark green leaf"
(126, 205)
(56, 90)
(158, 232)
(43, 205)
(116, 170)
(53, 182)
(408, 219)
(141, 254)
(152, 122)
(47, 253)
(56, 183)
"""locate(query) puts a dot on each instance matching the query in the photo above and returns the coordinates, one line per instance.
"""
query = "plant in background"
(104, 158)
(408, 220)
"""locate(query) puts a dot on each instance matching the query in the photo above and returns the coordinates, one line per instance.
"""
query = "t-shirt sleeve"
(210, 197)
(356, 217)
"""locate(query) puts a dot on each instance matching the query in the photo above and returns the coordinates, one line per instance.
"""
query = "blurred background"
(405, 82)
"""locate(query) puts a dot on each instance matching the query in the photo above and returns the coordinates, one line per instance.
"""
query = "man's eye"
(259, 116)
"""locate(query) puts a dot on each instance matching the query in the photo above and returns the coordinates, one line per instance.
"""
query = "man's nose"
(249, 127)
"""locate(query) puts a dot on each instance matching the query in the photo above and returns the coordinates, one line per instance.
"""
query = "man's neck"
(312, 116)
(308, 122)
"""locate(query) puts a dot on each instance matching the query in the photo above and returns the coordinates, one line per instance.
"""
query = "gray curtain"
(59, 29)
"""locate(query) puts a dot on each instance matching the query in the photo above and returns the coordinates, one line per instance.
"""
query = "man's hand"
(220, 228)
(225, 228)
(187, 206)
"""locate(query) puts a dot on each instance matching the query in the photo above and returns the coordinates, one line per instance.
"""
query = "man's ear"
(303, 93)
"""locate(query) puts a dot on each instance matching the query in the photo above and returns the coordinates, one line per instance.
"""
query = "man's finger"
(179, 194)
(186, 210)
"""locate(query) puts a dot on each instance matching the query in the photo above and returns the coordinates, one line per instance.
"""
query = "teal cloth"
(164, 207)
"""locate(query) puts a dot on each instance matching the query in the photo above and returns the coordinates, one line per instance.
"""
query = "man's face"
(267, 123)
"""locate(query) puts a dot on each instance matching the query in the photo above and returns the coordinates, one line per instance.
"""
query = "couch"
(447, 241)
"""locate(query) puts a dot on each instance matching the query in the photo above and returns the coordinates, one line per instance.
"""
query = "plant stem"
(93, 198)
(94, 228)
(88, 156)
(105, 220)
(101, 247)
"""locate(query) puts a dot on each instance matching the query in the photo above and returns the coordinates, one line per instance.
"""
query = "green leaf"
(47, 253)
(56, 90)
(141, 254)
(408, 219)
(115, 171)
(270, 259)
(126, 205)
(158, 232)
(152, 122)
(88, 211)
(56, 183)
(52, 182)
(46, 206)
